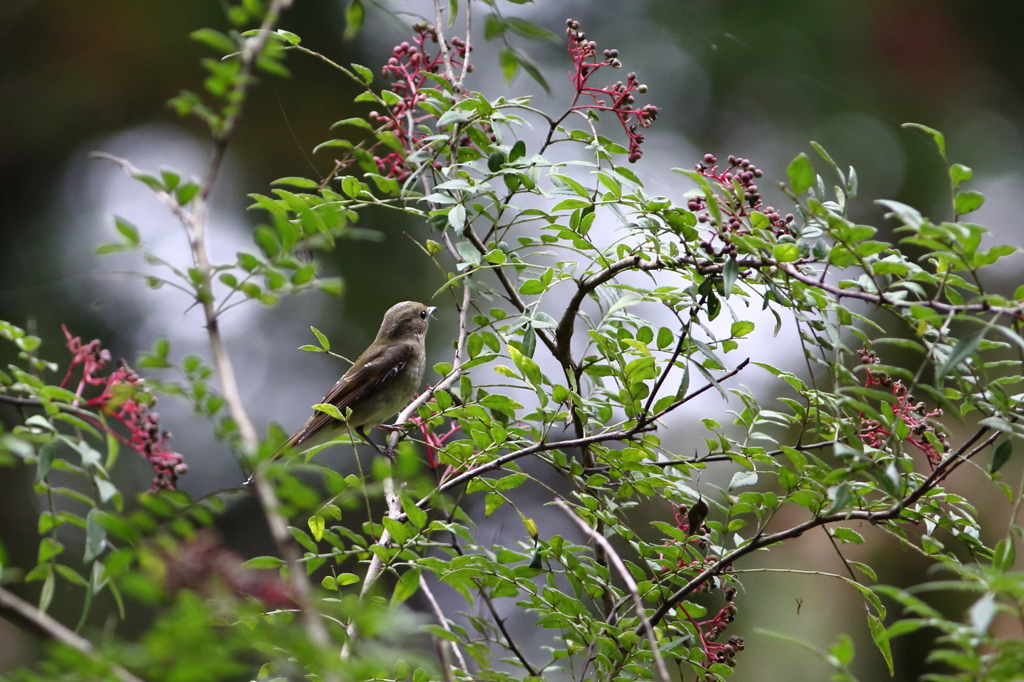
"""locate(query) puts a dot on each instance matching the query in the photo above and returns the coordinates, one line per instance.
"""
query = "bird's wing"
(367, 375)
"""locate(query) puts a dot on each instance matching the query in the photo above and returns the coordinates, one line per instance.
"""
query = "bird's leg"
(387, 452)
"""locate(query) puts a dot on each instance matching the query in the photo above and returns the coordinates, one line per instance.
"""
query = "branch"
(465, 62)
(888, 514)
(20, 402)
(880, 299)
(195, 226)
(448, 71)
(631, 586)
(510, 290)
(428, 593)
(49, 626)
(394, 503)
(500, 623)
(563, 334)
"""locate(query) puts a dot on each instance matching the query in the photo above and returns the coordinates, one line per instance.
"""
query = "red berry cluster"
(738, 183)
(620, 98)
(711, 630)
(690, 520)
(204, 565)
(125, 397)
(408, 65)
(913, 414)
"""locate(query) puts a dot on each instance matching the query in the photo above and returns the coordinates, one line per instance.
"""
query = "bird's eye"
(423, 314)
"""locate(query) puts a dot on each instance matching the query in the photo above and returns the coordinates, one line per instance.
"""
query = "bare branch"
(631, 586)
(443, 621)
(20, 402)
(500, 623)
(49, 626)
(469, 31)
(445, 55)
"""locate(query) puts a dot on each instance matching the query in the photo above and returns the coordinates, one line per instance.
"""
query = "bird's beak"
(430, 310)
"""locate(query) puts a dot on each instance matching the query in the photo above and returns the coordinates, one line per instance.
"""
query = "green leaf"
(881, 638)
(940, 142)
(127, 230)
(406, 587)
(842, 500)
(398, 530)
(967, 202)
(316, 526)
(457, 217)
(665, 338)
(964, 348)
(263, 562)
(1004, 555)
(330, 410)
(801, 174)
(525, 28)
(215, 39)
(302, 183)
(531, 287)
(1001, 455)
(517, 152)
(364, 73)
(843, 650)
(493, 26)
(355, 14)
(501, 403)
(48, 548)
(95, 536)
(570, 204)
(324, 343)
(509, 63)
(46, 596)
(46, 454)
(959, 174)
(730, 271)
(786, 253)
(742, 478)
(417, 516)
(741, 328)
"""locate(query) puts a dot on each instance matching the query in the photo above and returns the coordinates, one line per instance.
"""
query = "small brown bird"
(379, 384)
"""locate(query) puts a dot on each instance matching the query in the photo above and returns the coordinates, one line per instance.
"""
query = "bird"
(379, 383)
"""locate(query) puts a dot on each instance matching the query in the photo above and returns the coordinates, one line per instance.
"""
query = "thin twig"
(20, 402)
(500, 623)
(465, 61)
(631, 586)
(429, 594)
(448, 71)
(49, 626)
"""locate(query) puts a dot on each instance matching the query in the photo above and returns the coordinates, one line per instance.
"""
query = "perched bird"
(379, 384)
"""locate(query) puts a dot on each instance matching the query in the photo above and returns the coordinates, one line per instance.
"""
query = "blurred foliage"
(434, 153)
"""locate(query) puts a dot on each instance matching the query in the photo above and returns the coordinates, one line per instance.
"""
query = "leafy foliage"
(587, 320)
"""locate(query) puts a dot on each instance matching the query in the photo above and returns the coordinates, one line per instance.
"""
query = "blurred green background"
(754, 79)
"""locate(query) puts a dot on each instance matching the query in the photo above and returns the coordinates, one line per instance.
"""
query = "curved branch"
(49, 626)
(631, 587)
(888, 514)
